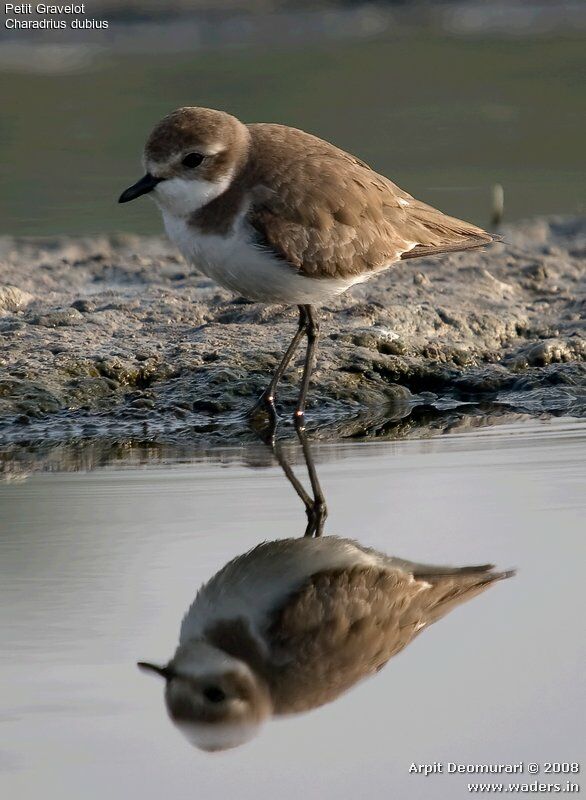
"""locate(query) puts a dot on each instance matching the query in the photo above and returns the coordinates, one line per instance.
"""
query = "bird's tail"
(479, 571)
(451, 586)
(438, 233)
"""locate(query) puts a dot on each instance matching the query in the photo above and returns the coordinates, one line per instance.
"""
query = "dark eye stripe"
(192, 160)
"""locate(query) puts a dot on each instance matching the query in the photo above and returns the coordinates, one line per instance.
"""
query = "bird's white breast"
(236, 262)
(255, 584)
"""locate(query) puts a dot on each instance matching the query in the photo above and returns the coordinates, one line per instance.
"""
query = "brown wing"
(345, 625)
(330, 215)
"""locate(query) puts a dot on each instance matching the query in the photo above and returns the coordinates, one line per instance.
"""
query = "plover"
(292, 624)
(278, 215)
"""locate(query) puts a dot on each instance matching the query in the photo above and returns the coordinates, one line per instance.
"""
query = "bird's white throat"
(182, 197)
(212, 738)
(197, 659)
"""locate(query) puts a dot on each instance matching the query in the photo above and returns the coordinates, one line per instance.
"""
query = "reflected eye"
(192, 160)
(214, 694)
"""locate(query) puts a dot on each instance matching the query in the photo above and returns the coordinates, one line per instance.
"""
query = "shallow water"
(98, 568)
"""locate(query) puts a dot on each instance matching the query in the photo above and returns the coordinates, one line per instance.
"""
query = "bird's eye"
(214, 694)
(192, 160)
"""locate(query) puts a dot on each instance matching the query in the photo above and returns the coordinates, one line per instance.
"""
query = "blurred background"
(445, 98)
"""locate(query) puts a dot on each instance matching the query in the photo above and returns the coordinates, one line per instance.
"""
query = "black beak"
(145, 185)
(165, 672)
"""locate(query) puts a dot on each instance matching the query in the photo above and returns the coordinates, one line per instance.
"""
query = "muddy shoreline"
(116, 337)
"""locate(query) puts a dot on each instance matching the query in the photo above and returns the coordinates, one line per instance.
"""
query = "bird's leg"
(312, 331)
(317, 511)
(294, 481)
(315, 507)
(269, 434)
(267, 399)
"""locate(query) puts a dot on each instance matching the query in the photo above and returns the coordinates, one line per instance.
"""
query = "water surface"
(98, 568)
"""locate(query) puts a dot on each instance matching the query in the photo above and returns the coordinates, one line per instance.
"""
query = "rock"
(91, 325)
(84, 305)
(58, 319)
(12, 299)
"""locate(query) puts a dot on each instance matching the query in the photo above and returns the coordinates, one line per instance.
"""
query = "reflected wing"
(345, 625)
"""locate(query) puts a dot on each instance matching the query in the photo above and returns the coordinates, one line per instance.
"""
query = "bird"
(278, 215)
(292, 624)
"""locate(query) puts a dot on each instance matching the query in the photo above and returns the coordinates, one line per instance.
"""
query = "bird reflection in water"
(294, 623)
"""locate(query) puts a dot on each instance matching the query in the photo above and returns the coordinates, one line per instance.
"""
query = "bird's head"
(216, 701)
(190, 158)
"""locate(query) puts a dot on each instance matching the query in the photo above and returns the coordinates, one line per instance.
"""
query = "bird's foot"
(266, 403)
(317, 513)
(299, 419)
(263, 416)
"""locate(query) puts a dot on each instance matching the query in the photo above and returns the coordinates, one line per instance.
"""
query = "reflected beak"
(145, 185)
(164, 672)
